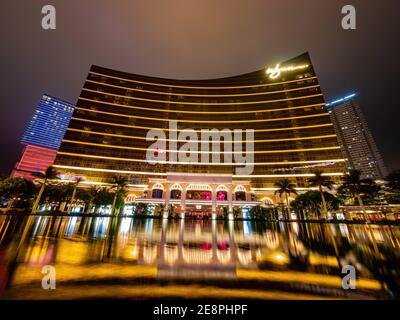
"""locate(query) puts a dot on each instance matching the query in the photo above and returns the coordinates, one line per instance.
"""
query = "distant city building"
(43, 135)
(355, 139)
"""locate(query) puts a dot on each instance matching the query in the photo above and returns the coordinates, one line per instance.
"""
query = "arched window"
(131, 198)
(240, 193)
(221, 187)
(176, 191)
(222, 193)
(157, 191)
(176, 186)
(158, 186)
(240, 188)
(157, 194)
(176, 194)
(268, 201)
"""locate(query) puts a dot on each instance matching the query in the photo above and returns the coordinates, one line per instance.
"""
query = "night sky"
(188, 39)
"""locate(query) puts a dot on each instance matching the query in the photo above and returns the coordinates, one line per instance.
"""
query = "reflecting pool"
(128, 258)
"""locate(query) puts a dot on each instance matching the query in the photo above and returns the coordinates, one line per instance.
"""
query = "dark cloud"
(197, 39)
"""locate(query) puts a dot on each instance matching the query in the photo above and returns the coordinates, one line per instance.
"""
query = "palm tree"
(392, 187)
(86, 196)
(311, 201)
(286, 187)
(49, 174)
(16, 188)
(320, 181)
(355, 186)
(393, 181)
(100, 197)
(77, 181)
(119, 186)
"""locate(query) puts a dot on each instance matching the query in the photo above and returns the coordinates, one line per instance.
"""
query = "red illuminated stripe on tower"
(34, 159)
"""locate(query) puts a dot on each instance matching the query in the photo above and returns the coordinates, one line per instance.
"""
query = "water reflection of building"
(98, 248)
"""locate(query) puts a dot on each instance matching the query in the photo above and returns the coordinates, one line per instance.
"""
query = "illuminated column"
(214, 202)
(230, 209)
(149, 194)
(180, 241)
(166, 202)
(248, 196)
(161, 256)
(231, 242)
(278, 201)
(214, 243)
(63, 205)
(183, 201)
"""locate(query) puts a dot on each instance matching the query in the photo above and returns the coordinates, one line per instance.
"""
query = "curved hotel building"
(289, 135)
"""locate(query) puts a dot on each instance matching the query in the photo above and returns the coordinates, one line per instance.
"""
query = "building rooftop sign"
(275, 72)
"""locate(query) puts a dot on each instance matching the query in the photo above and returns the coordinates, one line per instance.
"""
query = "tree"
(287, 188)
(16, 188)
(119, 186)
(392, 187)
(237, 212)
(77, 181)
(320, 181)
(258, 213)
(87, 196)
(102, 198)
(355, 187)
(57, 193)
(311, 201)
(393, 180)
(159, 209)
(49, 174)
(142, 209)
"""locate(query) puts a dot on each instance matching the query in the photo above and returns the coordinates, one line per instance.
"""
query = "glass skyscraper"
(43, 135)
(49, 122)
(355, 139)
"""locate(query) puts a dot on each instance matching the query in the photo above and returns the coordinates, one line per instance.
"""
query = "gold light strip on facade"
(201, 112)
(165, 174)
(167, 129)
(274, 189)
(200, 163)
(203, 103)
(100, 183)
(202, 95)
(201, 87)
(199, 152)
(334, 174)
(177, 140)
(110, 170)
(203, 121)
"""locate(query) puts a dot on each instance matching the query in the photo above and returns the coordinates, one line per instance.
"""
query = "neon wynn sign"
(276, 71)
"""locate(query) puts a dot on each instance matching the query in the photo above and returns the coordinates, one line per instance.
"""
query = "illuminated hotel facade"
(283, 104)
(43, 136)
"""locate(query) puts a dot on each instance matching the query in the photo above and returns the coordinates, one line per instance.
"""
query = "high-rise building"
(43, 136)
(117, 112)
(355, 138)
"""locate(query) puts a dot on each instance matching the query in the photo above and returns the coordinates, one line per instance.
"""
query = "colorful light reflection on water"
(103, 257)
